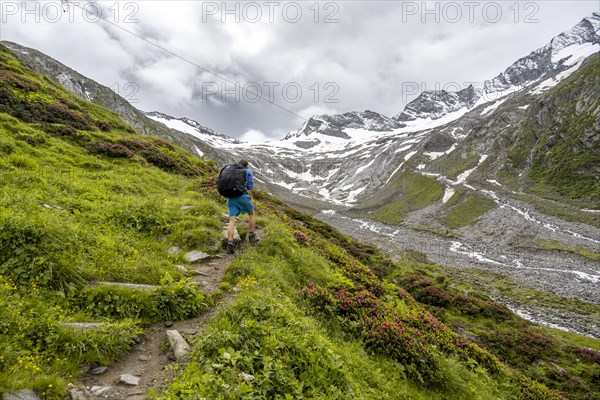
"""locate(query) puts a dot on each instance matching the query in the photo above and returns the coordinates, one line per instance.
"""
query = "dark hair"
(243, 163)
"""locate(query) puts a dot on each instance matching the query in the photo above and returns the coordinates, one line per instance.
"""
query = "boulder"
(129, 379)
(196, 255)
(180, 347)
(174, 250)
(99, 370)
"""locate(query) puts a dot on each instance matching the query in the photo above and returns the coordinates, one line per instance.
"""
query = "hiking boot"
(230, 248)
(252, 238)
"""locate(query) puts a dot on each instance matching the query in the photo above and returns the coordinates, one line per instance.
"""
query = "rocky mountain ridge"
(91, 90)
(334, 125)
(194, 128)
(344, 159)
(543, 63)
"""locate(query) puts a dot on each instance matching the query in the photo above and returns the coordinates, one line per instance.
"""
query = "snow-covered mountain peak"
(340, 128)
(194, 128)
(326, 124)
(343, 159)
(595, 21)
(555, 61)
(435, 104)
(586, 31)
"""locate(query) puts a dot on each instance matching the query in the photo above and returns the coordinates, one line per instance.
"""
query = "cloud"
(317, 110)
(255, 136)
(361, 58)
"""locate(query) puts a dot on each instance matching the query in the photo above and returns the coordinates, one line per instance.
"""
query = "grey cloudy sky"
(308, 57)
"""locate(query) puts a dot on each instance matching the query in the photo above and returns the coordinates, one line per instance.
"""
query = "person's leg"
(251, 221)
(230, 229)
(246, 207)
(234, 210)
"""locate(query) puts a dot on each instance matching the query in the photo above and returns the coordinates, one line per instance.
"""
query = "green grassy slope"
(554, 152)
(468, 211)
(302, 288)
(85, 198)
(566, 158)
(406, 193)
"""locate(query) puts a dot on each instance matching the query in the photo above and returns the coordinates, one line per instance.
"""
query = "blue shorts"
(239, 205)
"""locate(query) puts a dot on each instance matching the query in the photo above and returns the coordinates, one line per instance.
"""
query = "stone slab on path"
(83, 326)
(130, 379)
(196, 255)
(180, 347)
(23, 394)
(100, 391)
(136, 286)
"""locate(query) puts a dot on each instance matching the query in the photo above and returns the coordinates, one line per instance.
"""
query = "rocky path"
(157, 357)
(152, 362)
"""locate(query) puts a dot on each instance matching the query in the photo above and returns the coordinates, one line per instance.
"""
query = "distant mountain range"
(346, 158)
(349, 159)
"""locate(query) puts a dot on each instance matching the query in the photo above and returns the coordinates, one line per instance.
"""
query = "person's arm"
(249, 182)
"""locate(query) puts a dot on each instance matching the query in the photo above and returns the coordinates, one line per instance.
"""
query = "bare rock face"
(438, 142)
(539, 65)
(435, 104)
(334, 125)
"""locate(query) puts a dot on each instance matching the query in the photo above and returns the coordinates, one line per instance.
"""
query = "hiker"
(236, 182)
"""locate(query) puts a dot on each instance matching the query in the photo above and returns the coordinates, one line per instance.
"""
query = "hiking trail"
(151, 363)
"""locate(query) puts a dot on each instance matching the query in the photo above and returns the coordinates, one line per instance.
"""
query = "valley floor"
(558, 289)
